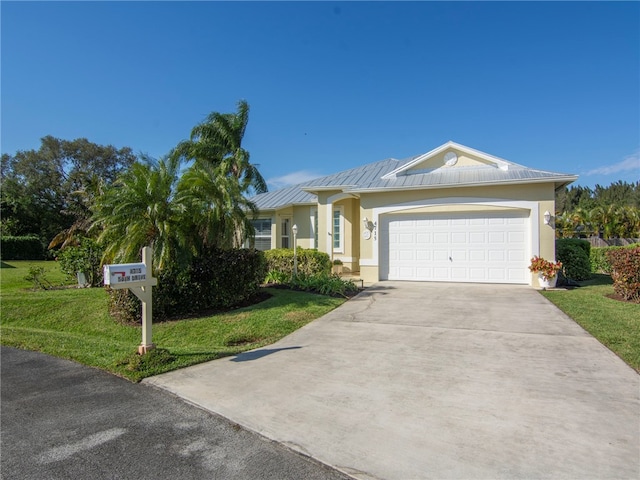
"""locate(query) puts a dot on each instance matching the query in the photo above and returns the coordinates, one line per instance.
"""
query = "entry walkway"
(434, 381)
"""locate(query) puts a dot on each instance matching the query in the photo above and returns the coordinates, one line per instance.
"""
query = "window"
(262, 239)
(338, 222)
(285, 233)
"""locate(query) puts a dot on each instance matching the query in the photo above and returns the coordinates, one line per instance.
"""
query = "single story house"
(453, 214)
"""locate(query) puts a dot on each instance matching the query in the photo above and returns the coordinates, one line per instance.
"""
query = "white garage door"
(456, 247)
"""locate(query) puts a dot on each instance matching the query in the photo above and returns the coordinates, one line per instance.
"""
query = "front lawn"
(614, 323)
(73, 323)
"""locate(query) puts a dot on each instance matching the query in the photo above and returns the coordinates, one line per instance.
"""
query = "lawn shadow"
(5, 265)
(256, 354)
(597, 279)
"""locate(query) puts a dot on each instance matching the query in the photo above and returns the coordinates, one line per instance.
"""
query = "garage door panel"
(423, 255)
(439, 237)
(473, 247)
(516, 237)
(424, 238)
(477, 255)
(497, 274)
(424, 272)
(440, 255)
(477, 237)
(516, 255)
(496, 237)
(458, 256)
(496, 255)
(458, 237)
(440, 273)
(406, 255)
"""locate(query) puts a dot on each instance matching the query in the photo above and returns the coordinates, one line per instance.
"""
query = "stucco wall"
(542, 195)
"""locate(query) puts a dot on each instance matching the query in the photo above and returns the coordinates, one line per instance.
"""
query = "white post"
(138, 278)
(144, 293)
(295, 251)
(147, 307)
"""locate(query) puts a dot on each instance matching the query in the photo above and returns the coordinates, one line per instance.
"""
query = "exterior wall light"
(547, 218)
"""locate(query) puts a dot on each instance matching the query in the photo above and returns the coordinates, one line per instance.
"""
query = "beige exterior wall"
(359, 254)
(540, 195)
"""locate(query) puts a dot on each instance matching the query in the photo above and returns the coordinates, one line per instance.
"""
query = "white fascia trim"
(532, 206)
(501, 163)
(338, 188)
(568, 178)
(415, 161)
(288, 205)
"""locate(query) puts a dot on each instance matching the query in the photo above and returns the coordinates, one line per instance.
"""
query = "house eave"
(287, 205)
(338, 188)
(564, 180)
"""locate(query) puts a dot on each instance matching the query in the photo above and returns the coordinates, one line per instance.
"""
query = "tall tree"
(218, 142)
(223, 218)
(49, 190)
(140, 209)
(618, 193)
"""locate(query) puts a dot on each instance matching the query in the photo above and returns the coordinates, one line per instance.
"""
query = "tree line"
(193, 199)
(196, 197)
(607, 212)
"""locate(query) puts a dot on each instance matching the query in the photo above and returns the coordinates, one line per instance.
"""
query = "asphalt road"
(62, 420)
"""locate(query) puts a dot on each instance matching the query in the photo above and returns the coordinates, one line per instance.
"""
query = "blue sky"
(333, 85)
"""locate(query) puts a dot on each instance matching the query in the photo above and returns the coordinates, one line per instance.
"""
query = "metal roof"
(392, 174)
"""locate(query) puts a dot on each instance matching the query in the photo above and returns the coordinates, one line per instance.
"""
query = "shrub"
(38, 278)
(324, 284)
(84, 258)
(574, 255)
(28, 247)
(625, 272)
(310, 262)
(274, 276)
(599, 259)
(217, 280)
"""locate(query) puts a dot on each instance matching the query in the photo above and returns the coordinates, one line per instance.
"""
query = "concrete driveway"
(427, 380)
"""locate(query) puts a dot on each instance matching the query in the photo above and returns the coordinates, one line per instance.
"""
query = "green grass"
(74, 323)
(614, 323)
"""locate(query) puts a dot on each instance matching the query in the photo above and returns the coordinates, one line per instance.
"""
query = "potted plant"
(547, 271)
(337, 266)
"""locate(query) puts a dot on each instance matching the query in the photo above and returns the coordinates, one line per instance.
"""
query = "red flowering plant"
(547, 269)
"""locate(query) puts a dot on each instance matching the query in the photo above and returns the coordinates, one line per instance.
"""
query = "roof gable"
(451, 155)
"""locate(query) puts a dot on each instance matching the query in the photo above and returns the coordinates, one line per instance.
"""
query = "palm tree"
(628, 225)
(605, 220)
(218, 141)
(222, 218)
(140, 209)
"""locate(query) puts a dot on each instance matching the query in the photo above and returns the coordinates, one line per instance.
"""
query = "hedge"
(216, 281)
(28, 247)
(599, 259)
(310, 262)
(625, 272)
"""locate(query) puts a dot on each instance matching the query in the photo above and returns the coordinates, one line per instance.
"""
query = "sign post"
(134, 277)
